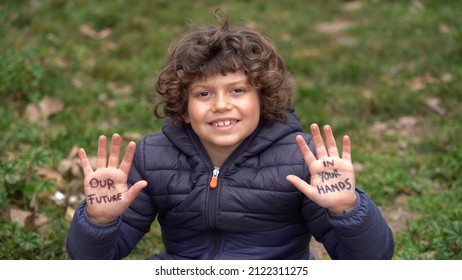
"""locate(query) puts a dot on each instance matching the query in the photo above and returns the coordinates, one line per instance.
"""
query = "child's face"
(223, 111)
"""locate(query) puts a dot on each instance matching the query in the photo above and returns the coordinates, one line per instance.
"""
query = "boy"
(231, 175)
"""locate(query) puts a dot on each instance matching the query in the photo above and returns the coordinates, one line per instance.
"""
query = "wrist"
(344, 209)
(99, 220)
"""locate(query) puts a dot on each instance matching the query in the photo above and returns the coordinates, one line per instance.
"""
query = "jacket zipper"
(212, 200)
(214, 179)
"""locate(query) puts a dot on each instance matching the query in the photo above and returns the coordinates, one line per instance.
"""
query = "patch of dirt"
(398, 216)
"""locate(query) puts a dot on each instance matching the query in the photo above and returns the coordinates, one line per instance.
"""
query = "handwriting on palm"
(106, 191)
(332, 177)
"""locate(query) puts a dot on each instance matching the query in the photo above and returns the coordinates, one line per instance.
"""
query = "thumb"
(134, 190)
(300, 184)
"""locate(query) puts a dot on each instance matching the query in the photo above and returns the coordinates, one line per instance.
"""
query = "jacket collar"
(187, 141)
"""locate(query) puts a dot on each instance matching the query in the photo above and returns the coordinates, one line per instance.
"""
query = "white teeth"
(224, 123)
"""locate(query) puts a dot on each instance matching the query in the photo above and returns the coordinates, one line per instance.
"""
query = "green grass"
(369, 71)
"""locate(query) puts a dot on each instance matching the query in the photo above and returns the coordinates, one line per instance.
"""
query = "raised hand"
(106, 191)
(332, 183)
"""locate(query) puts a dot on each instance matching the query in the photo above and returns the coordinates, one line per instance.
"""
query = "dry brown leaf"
(50, 174)
(18, 215)
(379, 128)
(405, 125)
(446, 77)
(33, 113)
(419, 83)
(26, 219)
(103, 34)
(71, 163)
(435, 105)
(352, 6)
(406, 122)
(120, 89)
(334, 27)
(50, 106)
(88, 31)
(40, 220)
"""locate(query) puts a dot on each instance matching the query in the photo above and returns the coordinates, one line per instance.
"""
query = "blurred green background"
(387, 73)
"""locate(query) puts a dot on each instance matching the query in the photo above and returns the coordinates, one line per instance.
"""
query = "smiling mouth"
(224, 123)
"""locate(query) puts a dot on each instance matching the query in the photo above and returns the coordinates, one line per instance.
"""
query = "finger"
(126, 163)
(318, 142)
(114, 153)
(86, 165)
(135, 190)
(346, 150)
(330, 141)
(101, 155)
(300, 184)
(305, 150)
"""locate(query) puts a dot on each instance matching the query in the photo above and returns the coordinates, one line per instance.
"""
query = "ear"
(186, 118)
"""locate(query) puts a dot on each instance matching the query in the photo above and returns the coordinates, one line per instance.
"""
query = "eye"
(238, 90)
(203, 94)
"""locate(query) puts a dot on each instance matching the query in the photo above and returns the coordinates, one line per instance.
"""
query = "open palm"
(332, 183)
(106, 191)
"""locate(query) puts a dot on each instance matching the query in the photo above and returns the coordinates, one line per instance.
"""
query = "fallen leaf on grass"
(50, 106)
(44, 109)
(435, 105)
(86, 30)
(334, 27)
(71, 164)
(27, 219)
(120, 89)
(50, 174)
(406, 125)
(352, 6)
(33, 113)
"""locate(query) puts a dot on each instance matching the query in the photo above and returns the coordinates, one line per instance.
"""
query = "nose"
(222, 103)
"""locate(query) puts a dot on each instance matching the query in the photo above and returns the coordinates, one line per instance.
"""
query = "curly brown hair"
(211, 50)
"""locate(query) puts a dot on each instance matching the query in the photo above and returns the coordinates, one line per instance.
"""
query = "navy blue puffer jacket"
(254, 213)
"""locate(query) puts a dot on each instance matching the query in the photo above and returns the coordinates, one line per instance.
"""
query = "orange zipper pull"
(214, 179)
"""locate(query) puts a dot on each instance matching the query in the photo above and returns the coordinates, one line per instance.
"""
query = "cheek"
(254, 107)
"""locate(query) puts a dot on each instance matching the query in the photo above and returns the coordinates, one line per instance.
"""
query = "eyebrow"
(205, 84)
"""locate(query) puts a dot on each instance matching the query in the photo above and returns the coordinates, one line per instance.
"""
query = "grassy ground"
(388, 73)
